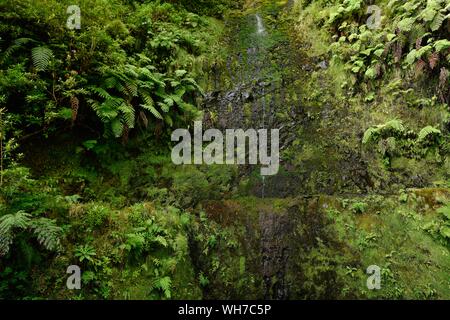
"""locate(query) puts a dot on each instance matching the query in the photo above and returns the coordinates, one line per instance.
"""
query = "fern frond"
(437, 22)
(147, 98)
(41, 57)
(442, 45)
(47, 233)
(152, 110)
(428, 131)
(18, 43)
(19, 220)
(9, 222)
(164, 284)
(369, 135)
(100, 91)
(128, 114)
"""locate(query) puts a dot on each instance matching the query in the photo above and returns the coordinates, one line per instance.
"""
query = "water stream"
(260, 29)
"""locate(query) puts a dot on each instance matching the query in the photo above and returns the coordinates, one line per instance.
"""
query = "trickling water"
(263, 126)
(260, 29)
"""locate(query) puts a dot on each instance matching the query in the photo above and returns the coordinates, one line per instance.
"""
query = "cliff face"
(357, 150)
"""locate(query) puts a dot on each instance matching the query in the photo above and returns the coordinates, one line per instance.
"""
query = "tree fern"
(41, 57)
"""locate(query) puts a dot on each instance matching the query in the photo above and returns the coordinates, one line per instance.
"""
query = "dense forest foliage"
(359, 89)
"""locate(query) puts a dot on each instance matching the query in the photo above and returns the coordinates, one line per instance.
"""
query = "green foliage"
(444, 229)
(395, 141)
(41, 57)
(359, 207)
(390, 128)
(85, 253)
(118, 65)
(45, 230)
(20, 220)
(164, 284)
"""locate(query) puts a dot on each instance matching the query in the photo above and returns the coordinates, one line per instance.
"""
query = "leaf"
(180, 73)
(445, 231)
(411, 57)
(18, 43)
(41, 57)
(390, 36)
(428, 14)
(379, 52)
(426, 132)
(165, 285)
(168, 120)
(128, 114)
(406, 24)
(47, 233)
(445, 211)
(441, 45)
(370, 73)
(153, 110)
(89, 144)
(369, 135)
(161, 240)
(437, 22)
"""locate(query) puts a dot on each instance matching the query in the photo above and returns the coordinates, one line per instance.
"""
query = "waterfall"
(260, 29)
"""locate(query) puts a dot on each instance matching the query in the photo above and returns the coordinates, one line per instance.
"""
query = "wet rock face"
(258, 88)
(275, 228)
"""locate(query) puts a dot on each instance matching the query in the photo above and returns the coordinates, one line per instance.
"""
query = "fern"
(370, 135)
(442, 45)
(128, 114)
(445, 211)
(164, 284)
(47, 233)
(9, 222)
(18, 43)
(437, 22)
(41, 57)
(100, 91)
(406, 24)
(373, 134)
(428, 131)
(152, 109)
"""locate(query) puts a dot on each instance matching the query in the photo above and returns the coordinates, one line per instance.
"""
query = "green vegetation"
(86, 176)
